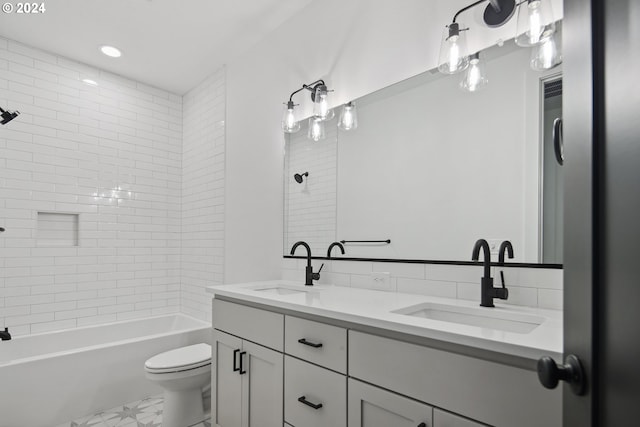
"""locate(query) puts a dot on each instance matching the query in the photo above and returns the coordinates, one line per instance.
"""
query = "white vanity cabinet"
(371, 406)
(491, 393)
(247, 377)
(315, 368)
(273, 368)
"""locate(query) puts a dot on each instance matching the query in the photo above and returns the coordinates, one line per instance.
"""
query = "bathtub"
(50, 378)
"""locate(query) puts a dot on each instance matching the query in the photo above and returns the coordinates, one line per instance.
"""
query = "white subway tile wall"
(531, 287)
(202, 252)
(111, 154)
(310, 206)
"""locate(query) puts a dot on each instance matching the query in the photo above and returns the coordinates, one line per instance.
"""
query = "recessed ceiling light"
(90, 82)
(111, 51)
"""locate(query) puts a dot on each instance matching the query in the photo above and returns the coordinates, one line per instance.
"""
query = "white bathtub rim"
(204, 325)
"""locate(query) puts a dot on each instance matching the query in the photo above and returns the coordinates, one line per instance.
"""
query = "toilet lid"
(180, 359)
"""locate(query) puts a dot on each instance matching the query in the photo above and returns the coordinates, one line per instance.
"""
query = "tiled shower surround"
(111, 154)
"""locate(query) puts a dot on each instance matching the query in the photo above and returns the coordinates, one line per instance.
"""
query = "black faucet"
(5, 335)
(309, 276)
(331, 246)
(504, 247)
(488, 292)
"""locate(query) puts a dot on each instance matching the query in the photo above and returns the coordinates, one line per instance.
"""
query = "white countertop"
(374, 308)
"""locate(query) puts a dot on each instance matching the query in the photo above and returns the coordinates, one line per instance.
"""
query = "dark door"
(618, 296)
(602, 209)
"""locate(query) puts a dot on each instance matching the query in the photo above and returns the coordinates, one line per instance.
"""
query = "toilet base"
(183, 408)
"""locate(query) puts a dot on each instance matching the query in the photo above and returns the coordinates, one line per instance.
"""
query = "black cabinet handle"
(242, 370)
(235, 358)
(315, 406)
(309, 343)
(558, 142)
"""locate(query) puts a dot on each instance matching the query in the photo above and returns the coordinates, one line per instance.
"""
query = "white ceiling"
(170, 44)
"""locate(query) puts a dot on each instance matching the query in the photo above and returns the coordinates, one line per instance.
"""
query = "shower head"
(299, 177)
(7, 116)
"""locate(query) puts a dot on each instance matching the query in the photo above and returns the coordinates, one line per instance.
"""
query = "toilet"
(182, 373)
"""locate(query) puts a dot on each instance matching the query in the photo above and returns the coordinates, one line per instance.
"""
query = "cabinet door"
(445, 419)
(226, 384)
(370, 406)
(261, 386)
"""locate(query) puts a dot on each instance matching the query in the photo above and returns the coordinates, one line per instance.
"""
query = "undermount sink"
(280, 290)
(489, 318)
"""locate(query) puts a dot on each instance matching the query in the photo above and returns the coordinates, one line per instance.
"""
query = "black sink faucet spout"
(488, 292)
(5, 335)
(333, 245)
(309, 276)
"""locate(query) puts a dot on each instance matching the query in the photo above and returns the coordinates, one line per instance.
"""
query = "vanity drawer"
(315, 386)
(252, 324)
(472, 387)
(445, 419)
(316, 342)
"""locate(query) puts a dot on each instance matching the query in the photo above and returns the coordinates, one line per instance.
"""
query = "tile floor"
(142, 413)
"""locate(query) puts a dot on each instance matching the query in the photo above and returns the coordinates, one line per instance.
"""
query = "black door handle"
(558, 143)
(235, 358)
(309, 343)
(550, 373)
(315, 406)
(242, 370)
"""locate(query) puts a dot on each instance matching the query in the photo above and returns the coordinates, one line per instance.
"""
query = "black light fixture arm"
(472, 5)
(495, 14)
(310, 87)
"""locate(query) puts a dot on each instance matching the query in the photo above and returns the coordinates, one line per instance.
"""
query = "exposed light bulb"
(474, 78)
(316, 129)
(535, 22)
(348, 117)
(289, 122)
(453, 50)
(321, 104)
(546, 55)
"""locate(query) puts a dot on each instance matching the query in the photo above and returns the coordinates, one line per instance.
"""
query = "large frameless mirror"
(432, 168)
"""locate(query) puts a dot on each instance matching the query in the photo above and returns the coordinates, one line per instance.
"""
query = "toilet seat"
(180, 359)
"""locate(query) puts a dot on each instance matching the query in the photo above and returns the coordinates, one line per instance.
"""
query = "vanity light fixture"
(535, 22)
(546, 55)
(111, 51)
(453, 49)
(316, 129)
(289, 122)
(474, 77)
(348, 116)
(321, 111)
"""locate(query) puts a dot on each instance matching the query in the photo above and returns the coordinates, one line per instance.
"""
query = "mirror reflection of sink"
(280, 290)
(481, 317)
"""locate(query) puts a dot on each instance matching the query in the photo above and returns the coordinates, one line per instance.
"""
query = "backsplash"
(531, 287)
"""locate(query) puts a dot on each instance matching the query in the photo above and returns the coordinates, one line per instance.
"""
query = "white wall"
(202, 250)
(111, 154)
(364, 45)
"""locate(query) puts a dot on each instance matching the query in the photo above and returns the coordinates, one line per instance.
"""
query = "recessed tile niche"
(57, 229)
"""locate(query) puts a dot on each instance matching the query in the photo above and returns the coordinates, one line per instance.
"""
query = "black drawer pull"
(310, 344)
(302, 399)
(235, 358)
(242, 370)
